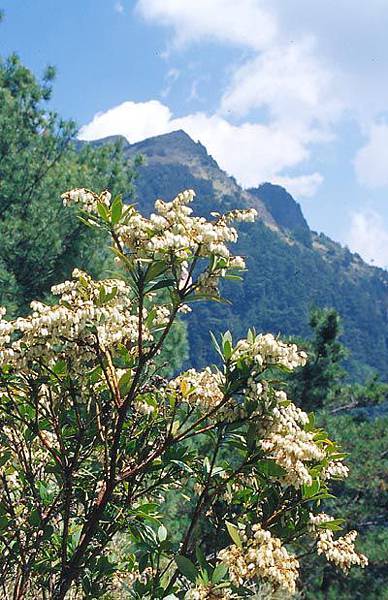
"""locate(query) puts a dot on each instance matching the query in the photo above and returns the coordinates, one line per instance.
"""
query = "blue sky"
(288, 91)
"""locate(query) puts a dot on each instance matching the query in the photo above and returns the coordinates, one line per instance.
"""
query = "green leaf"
(186, 567)
(251, 436)
(103, 211)
(149, 508)
(4, 522)
(121, 256)
(5, 457)
(322, 496)
(206, 464)
(334, 525)
(234, 533)
(87, 223)
(216, 344)
(143, 562)
(163, 283)
(270, 467)
(233, 277)
(308, 491)
(109, 296)
(182, 465)
(116, 210)
(60, 367)
(34, 518)
(219, 573)
(201, 558)
(227, 350)
(227, 337)
(162, 533)
(311, 422)
(251, 336)
(125, 381)
(154, 270)
(75, 537)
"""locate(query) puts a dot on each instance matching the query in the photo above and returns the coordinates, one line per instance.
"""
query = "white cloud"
(288, 82)
(349, 40)
(242, 23)
(369, 237)
(295, 87)
(134, 120)
(371, 162)
(351, 37)
(252, 152)
(195, 94)
(307, 64)
(304, 186)
(285, 78)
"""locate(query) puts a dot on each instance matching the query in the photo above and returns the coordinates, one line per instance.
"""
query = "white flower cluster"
(5, 328)
(265, 349)
(335, 469)
(341, 551)
(87, 311)
(172, 229)
(290, 445)
(172, 232)
(162, 315)
(208, 282)
(122, 580)
(202, 389)
(87, 200)
(264, 558)
(242, 216)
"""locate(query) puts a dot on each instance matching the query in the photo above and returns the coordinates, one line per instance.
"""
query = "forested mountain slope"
(290, 267)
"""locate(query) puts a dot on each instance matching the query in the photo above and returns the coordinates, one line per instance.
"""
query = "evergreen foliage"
(39, 158)
(316, 384)
(357, 416)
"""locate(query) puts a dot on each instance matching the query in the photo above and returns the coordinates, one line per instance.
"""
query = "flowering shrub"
(93, 438)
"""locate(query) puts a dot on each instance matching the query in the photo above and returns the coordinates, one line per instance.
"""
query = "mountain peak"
(110, 139)
(289, 268)
(179, 135)
(171, 145)
(282, 206)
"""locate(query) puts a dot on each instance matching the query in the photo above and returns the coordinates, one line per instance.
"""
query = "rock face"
(290, 268)
(282, 206)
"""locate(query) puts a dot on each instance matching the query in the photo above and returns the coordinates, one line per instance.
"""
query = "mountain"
(282, 207)
(290, 267)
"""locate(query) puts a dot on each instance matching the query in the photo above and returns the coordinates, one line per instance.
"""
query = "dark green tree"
(362, 500)
(356, 414)
(313, 385)
(40, 158)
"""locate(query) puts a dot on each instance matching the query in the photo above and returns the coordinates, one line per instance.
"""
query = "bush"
(93, 438)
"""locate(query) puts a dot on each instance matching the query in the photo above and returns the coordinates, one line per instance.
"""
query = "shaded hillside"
(290, 268)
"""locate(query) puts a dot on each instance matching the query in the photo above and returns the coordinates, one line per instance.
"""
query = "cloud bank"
(369, 237)
(371, 162)
(301, 70)
(251, 152)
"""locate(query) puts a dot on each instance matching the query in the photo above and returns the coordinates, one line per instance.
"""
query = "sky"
(293, 92)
